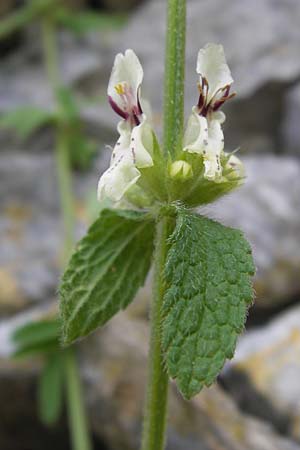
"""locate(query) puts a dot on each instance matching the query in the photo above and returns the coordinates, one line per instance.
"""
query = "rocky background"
(256, 403)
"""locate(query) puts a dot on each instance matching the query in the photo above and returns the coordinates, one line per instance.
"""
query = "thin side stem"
(65, 187)
(155, 415)
(50, 49)
(174, 76)
(76, 412)
(62, 149)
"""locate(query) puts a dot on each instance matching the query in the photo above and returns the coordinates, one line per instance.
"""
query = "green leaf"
(26, 120)
(109, 265)
(82, 22)
(37, 338)
(208, 292)
(50, 393)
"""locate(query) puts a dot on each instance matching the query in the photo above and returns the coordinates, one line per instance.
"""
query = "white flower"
(131, 152)
(206, 138)
(204, 133)
(215, 76)
(133, 149)
(124, 87)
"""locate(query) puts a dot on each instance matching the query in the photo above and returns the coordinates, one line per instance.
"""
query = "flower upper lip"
(215, 79)
(124, 87)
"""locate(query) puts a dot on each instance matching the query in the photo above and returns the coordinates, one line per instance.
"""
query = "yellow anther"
(120, 88)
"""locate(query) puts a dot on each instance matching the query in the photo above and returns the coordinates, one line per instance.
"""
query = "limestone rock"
(267, 363)
(113, 363)
(114, 367)
(31, 228)
(290, 133)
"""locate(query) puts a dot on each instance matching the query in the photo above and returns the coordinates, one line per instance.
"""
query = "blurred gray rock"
(23, 78)
(267, 363)
(30, 226)
(30, 231)
(114, 367)
(290, 131)
(267, 209)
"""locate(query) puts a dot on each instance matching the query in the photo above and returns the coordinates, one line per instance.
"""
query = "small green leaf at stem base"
(24, 121)
(209, 290)
(108, 266)
(37, 338)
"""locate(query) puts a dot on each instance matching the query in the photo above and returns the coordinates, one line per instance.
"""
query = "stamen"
(220, 97)
(120, 88)
(202, 99)
(118, 110)
(129, 107)
(203, 91)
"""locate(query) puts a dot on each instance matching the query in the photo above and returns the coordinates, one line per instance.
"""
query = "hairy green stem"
(155, 415)
(174, 77)
(76, 412)
(154, 427)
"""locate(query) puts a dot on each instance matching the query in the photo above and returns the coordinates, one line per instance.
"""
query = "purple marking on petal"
(136, 119)
(140, 111)
(117, 109)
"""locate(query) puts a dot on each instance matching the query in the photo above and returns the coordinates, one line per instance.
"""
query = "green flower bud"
(180, 170)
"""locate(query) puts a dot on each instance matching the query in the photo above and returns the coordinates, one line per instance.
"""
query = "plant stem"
(155, 415)
(62, 148)
(174, 77)
(76, 411)
(65, 186)
(50, 50)
(157, 388)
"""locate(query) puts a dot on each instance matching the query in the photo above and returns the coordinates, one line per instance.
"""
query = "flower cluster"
(202, 170)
